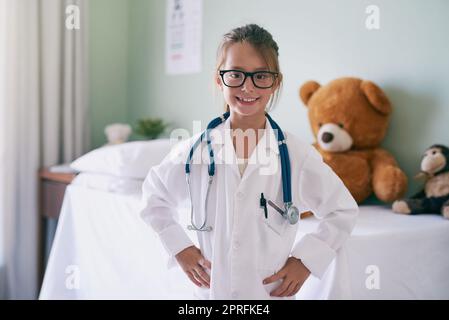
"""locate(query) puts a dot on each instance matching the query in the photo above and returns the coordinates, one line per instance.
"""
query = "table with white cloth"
(103, 250)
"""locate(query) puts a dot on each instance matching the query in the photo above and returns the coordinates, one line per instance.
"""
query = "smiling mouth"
(247, 100)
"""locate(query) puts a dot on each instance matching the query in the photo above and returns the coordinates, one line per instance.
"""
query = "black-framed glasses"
(236, 78)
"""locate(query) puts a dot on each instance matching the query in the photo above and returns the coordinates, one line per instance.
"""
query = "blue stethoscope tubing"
(291, 212)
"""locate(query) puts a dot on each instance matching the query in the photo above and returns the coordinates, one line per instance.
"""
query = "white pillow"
(127, 160)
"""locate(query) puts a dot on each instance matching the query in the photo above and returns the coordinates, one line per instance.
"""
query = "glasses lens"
(263, 79)
(233, 78)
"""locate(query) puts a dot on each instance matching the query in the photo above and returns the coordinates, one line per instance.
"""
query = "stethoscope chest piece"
(292, 214)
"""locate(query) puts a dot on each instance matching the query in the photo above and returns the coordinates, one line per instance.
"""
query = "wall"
(320, 40)
(108, 65)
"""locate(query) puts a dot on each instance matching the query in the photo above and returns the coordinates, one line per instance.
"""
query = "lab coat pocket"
(274, 222)
(270, 287)
(265, 273)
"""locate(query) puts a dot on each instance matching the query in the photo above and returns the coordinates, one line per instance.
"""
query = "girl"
(248, 248)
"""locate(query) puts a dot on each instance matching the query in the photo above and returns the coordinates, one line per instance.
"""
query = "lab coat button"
(236, 245)
(235, 294)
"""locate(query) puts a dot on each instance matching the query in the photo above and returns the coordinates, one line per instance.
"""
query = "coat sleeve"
(163, 191)
(323, 193)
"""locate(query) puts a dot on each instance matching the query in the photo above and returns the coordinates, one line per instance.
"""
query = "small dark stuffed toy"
(435, 196)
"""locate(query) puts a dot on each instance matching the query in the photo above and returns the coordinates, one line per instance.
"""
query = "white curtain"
(43, 121)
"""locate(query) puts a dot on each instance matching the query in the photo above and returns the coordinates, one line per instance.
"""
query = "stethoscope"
(290, 212)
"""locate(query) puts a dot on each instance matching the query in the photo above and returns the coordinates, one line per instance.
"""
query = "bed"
(103, 250)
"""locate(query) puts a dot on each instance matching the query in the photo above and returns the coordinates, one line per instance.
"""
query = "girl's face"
(246, 100)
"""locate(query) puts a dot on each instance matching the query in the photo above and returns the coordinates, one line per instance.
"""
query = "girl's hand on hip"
(194, 265)
(293, 275)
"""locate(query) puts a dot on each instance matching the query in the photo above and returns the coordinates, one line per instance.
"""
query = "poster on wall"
(183, 36)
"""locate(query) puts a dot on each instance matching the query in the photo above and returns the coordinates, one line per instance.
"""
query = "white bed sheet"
(103, 250)
(409, 254)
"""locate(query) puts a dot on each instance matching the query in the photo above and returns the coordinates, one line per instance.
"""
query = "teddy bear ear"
(376, 97)
(307, 90)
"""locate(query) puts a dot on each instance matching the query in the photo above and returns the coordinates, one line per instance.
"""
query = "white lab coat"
(245, 247)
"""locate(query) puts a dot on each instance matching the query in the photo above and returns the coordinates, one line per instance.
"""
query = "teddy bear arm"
(389, 181)
(381, 158)
(353, 170)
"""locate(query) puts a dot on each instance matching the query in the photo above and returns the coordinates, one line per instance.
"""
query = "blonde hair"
(263, 42)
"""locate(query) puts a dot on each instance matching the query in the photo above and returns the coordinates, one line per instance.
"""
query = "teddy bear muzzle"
(334, 138)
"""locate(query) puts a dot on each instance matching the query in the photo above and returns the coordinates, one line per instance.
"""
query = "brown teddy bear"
(349, 119)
